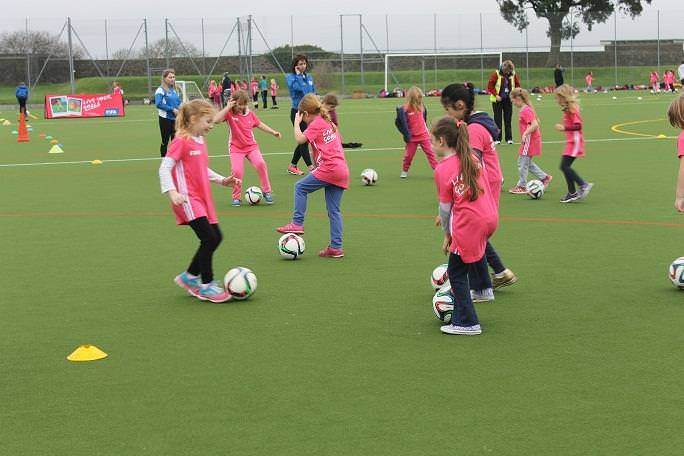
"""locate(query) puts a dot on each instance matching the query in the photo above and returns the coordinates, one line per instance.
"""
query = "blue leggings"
(333, 197)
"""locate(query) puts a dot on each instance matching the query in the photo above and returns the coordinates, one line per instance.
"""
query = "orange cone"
(23, 132)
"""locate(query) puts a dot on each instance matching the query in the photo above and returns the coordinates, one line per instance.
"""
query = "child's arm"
(300, 138)
(166, 181)
(263, 127)
(221, 115)
(534, 125)
(679, 194)
(225, 181)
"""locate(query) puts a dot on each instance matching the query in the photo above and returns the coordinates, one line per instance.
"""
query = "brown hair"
(414, 98)
(676, 112)
(188, 114)
(312, 105)
(524, 95)
(455, 135)
(330, 99)
(296, 59)
(240, 97)
(567, 97)
(165, 73)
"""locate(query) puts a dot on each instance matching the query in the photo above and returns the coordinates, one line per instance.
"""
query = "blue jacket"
(401, 122)
(22, 91)
(166, 101)
(299, 85)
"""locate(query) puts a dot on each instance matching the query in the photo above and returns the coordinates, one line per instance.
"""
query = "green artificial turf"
(338, 357)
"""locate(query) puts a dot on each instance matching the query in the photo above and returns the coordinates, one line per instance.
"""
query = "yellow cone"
(96, 162)
(87, 352)
(56, 150)
(7, 122)
(661, 136)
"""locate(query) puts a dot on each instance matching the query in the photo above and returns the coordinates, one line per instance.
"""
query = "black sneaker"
(570, 197)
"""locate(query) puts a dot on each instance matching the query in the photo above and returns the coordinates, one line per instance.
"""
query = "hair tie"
(459, 123)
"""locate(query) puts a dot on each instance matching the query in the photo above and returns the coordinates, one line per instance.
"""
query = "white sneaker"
(497, 142)
(510, 141)
(462, 330)
(404, 174)
(482, 296)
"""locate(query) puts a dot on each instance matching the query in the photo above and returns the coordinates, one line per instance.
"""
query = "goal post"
(474, 61)
(188, 91)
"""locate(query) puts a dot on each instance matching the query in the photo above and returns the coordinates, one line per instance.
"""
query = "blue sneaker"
(236, 203)
(268, 197)
(213, 292)
(570, 197)
(191, 284)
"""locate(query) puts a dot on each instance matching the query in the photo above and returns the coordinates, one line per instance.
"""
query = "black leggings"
(302, 150)
(22, 104)
(210, 237)
(264, 97)
(571, 177)
(167, 127)
(273, 99)
(504, 107)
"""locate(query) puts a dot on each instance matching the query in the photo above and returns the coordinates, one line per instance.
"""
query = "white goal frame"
(440, 54)
(183, 89)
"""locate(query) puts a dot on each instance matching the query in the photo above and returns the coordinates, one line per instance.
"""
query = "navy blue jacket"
(401, 122)
(483, 119)
(22, 91)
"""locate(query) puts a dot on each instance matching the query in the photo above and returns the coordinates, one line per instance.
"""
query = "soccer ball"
(240, 282)
(677, 273)
(369, 177)
(439, 276)
(535, 188)
(253, 195)
(443, 304)
(291, 246)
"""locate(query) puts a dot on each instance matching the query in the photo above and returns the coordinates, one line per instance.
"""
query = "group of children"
(256, 87)
(668, 82)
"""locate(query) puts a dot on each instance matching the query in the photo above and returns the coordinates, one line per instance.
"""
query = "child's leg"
(237, 168)
(523, 166)
(493, 259)
(464, 312)
(478, 275)
(333, 198)
(273, 99)
(210, 237)
(536, 170)
(409, 152)
(570, 175)
(258, 162)
(302, 189)
(427, 150)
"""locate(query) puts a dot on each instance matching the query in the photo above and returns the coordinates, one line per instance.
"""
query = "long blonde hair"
(524, 95)
(455, 135)
(240, 97)
(189, 113)
(676, 112)
(312, 105)
(414, 98)
(567, 97)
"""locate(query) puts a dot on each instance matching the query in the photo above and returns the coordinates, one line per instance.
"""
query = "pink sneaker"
(331, 252)
(547, 180)
(214, 292)
(291, 228)
(292, 169)
(518, 190)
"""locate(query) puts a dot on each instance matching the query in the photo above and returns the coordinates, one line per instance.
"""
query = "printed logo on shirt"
(329, 136)
(459, 186)
(195, 152)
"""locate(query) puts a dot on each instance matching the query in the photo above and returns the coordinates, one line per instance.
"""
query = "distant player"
(22, 95)
(411, 121)
(331, 172)
(574, 143)
(241, 121)
(588, 80)
(274, 94)
(185, 177)
(653, 79)
(263, 88)
(676, 115)
(468, 217)
(254, 86)
(530, 141)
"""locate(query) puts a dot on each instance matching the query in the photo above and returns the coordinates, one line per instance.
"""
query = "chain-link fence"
(347, 52)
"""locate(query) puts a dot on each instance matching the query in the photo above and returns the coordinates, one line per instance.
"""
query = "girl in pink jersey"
(411, 122)
(676, 115)
(274, 94)
(459, 102)
(185, 177)
(668, 80)
(530, 141)
(241, 121)
(468, 217)
(653, 81)
(588, 80)
(254, 86)
(331, 172)
(574, 143)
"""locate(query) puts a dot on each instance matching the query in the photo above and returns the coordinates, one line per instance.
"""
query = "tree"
(556, 13)
(37, 43)
(158, 49)
(283, 54)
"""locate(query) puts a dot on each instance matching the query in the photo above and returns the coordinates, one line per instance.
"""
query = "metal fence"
(352, 47)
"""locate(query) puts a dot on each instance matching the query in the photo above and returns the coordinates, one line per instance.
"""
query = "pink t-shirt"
(274, 89)
(680, 145)
(255, 87)
(588, 78)
(331, 166)
(574, 139)
(472, 223)
(481, 140)
(416, 125)
(532, 145)
(653, 77)
(241, 135)
(191, 178)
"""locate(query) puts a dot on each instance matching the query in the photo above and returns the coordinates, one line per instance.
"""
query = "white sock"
(191, 275)
(501, 274)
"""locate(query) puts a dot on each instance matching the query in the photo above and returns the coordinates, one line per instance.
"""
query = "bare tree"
(158, 49)
(38, 43)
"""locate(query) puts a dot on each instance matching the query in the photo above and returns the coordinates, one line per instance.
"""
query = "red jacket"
(491, 85)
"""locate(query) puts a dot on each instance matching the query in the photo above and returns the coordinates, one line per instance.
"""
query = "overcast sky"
(410, 25)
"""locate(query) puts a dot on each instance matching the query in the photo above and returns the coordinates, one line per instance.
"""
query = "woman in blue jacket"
(167, 101)
(299, 83)
(22, 96)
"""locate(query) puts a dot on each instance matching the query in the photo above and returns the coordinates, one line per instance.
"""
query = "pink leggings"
(237, 166)
(410, 151)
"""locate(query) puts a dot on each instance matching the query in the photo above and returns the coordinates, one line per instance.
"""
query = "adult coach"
(299, 83)
(558, 75)
(500, 85)
(22, 95)
(167, 101)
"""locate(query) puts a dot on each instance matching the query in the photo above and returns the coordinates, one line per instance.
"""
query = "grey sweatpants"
(525, 165)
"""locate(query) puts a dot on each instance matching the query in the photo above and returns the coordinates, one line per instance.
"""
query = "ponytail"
(312, 105)
(455, 135)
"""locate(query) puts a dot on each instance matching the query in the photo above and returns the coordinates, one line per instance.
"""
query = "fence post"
(71, 57)
(342, 50)
(147, 61)
(166, 43)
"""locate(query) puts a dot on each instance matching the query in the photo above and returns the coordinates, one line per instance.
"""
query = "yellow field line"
(617, 128)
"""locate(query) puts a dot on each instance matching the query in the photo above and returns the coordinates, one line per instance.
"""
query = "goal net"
(188, 90)
(437, 70)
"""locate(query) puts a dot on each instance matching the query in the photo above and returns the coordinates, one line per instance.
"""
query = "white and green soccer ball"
(253, 195)
(677, 273)
(439, 277)
(535, 189)
(240, 282)
(443, 304)
(369, 176)
(291, 246)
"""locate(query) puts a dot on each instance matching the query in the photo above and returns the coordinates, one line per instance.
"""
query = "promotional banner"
(84, 105)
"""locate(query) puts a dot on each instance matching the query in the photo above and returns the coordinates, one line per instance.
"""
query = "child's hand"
(560, 127)
(231, 181)
(438, 220)
(523, 138)
(277, 134)
(231, 104)
(176, 198)
(679, 204)
(298, 118)
(446, 243)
